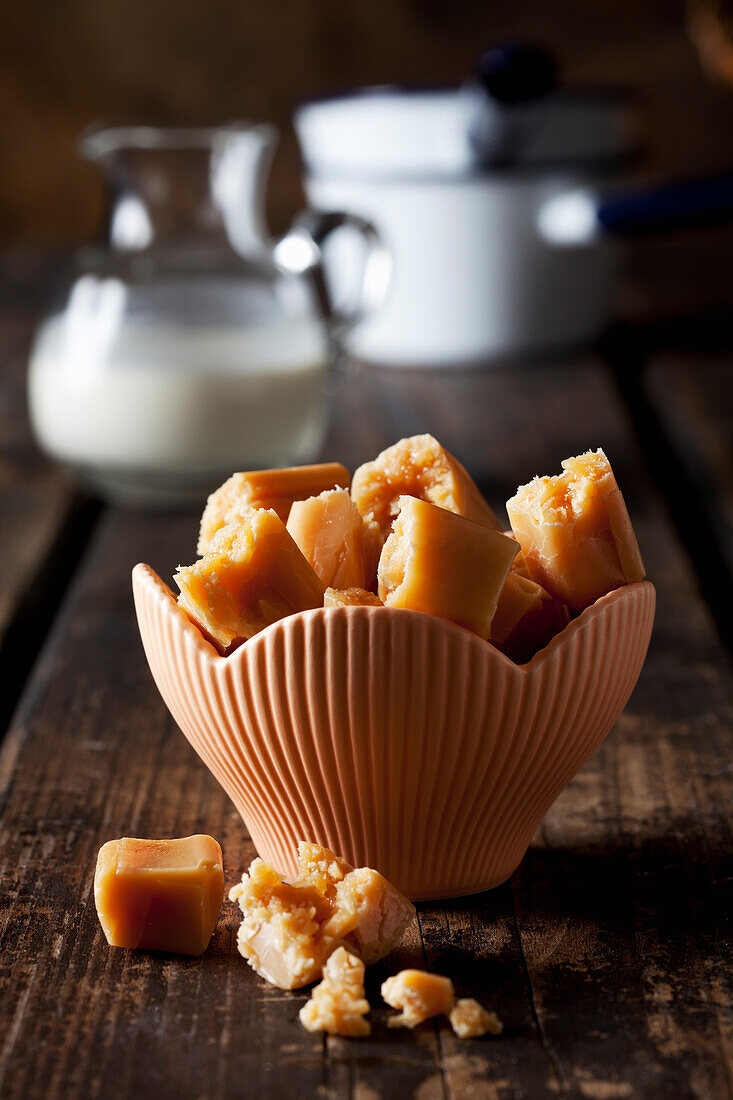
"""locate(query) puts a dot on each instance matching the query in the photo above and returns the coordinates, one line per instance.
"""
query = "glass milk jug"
(193, 345)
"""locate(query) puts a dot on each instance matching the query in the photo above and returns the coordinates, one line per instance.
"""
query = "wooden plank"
(42, 518)
(605, 956)
(692, 395)
(683, 426)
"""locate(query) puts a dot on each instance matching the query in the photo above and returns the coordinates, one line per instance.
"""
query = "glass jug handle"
(300, 252)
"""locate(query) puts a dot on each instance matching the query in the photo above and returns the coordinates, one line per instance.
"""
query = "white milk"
(168, 413)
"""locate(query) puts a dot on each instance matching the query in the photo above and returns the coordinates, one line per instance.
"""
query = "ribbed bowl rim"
(144, 574)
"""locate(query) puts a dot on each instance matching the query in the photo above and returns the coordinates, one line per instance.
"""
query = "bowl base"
(463, 892)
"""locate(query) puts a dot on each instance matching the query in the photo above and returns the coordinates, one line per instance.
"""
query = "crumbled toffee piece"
(289, 930)
(470, 1020)
(419, 994)
(337, 1004)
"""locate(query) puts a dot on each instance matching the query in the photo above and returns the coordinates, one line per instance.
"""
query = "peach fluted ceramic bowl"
(399, 740)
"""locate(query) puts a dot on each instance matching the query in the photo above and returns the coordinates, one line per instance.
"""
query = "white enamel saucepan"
(499, 202)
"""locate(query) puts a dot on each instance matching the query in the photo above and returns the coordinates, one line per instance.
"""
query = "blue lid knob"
(515, 73)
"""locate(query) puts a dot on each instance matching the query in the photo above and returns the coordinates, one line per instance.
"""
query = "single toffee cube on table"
(163, 895)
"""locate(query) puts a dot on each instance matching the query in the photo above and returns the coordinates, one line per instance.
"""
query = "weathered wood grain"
(606, 954)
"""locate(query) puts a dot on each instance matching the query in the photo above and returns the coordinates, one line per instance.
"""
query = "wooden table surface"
(606, 954)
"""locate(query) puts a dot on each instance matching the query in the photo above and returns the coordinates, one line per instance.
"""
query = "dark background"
(67, 63)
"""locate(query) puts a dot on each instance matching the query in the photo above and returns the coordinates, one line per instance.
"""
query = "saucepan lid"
(510, 114)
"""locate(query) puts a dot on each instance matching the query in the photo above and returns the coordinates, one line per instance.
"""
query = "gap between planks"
(41, 599)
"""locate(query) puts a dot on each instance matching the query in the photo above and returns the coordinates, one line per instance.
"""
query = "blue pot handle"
(669, 206)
